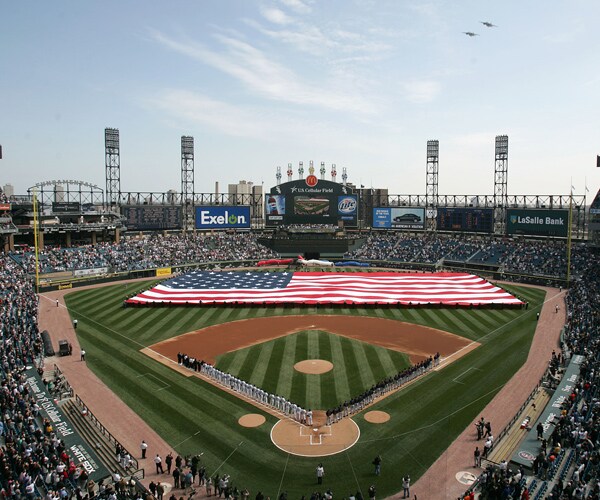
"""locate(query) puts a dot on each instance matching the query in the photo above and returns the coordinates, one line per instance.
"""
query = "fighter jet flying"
(470, 33)
(487, 24)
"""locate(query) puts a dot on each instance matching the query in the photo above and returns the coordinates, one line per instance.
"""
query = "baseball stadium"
(316, 339)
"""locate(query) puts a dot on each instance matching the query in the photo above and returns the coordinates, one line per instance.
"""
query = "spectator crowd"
(35, 462)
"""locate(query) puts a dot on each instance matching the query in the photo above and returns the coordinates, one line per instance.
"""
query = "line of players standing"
(389, 384)
(295, 411)
(279, 403)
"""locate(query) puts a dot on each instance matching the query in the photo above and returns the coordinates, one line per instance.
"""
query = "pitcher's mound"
(377, 417)
(313, 366)
(314, 441)
(251, 420)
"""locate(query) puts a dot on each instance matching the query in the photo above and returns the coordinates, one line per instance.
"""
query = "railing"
(105, 432)
(68, 392)
(504, 431)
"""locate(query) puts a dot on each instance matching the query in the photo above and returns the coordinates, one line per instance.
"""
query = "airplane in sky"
(487, 24)
(470, 33)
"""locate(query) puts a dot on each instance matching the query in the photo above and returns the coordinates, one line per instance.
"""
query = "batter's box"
(315, 434)
(155, 380)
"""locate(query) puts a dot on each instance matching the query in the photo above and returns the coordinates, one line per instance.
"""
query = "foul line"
(283, 475)
(148, 374)
(468, 369)
(353, 472)
(228, 456)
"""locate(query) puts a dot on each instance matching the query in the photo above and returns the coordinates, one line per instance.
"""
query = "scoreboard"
(151, 217)
(476, 220)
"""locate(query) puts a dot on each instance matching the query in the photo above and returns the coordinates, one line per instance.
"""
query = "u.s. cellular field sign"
(537, 222)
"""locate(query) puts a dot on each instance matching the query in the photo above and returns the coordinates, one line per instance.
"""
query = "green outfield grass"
(356, 367)
(194, 416)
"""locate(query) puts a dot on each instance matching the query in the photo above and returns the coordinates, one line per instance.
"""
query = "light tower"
(301, 170)
(501, 182)
(322, 170)
(290, 172)
(187, 181)
(112, 163)
(333, 172)
(344, 176)
(431, 181)
(278, 175)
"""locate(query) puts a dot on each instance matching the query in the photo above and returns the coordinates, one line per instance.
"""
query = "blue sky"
(359, 83)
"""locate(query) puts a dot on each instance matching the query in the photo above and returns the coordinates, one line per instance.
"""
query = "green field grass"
(194, 416)
(356, 367)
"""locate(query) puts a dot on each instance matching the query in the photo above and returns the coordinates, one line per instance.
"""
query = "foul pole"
(36, 242)
(569, 236)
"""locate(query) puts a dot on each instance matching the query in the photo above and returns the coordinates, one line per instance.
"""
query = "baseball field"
(195, 417)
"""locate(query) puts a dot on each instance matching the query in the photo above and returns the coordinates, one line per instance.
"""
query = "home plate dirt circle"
(377, 417)
(251, 420)
(313, 366)
(314, 441)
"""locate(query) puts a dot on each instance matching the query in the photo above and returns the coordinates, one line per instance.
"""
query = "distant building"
(9, 190)
(59, 193)
(246, 193)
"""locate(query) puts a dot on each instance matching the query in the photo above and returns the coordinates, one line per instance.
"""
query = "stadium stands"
(34, 461)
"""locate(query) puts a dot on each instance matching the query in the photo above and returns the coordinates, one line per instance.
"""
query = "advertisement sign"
(399, 218)
(305, 205)
(152, 217)
(163, 271)
(347, 207)
(479, 220)
(537, 222)
(274, 208)
(59, 207)
(97, 271)
(83, 454)
(311, 201)
(223, 217)
(382, 218)
(408, 218)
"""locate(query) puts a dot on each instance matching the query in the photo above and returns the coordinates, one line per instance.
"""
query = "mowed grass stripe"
(352, 367)
(284, 380)
(237, 360)
(274, 366)
(311, 389)
(434, 319)
(488, 320)
(367, 375)
(312, 337)
(325, 381)
(457, 324)
(342, 388)
(249, 363)
(264, 358)
(384, 365)
(150, 330)
(475, 325)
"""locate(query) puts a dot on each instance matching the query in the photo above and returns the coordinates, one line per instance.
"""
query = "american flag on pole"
(252, 287)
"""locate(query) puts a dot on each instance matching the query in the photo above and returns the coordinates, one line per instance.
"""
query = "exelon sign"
(537, 222)
(222, 217)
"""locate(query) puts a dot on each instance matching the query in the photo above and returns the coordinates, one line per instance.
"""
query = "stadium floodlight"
(502, 145)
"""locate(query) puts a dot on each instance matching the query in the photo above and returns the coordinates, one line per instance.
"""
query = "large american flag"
(208, 287)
